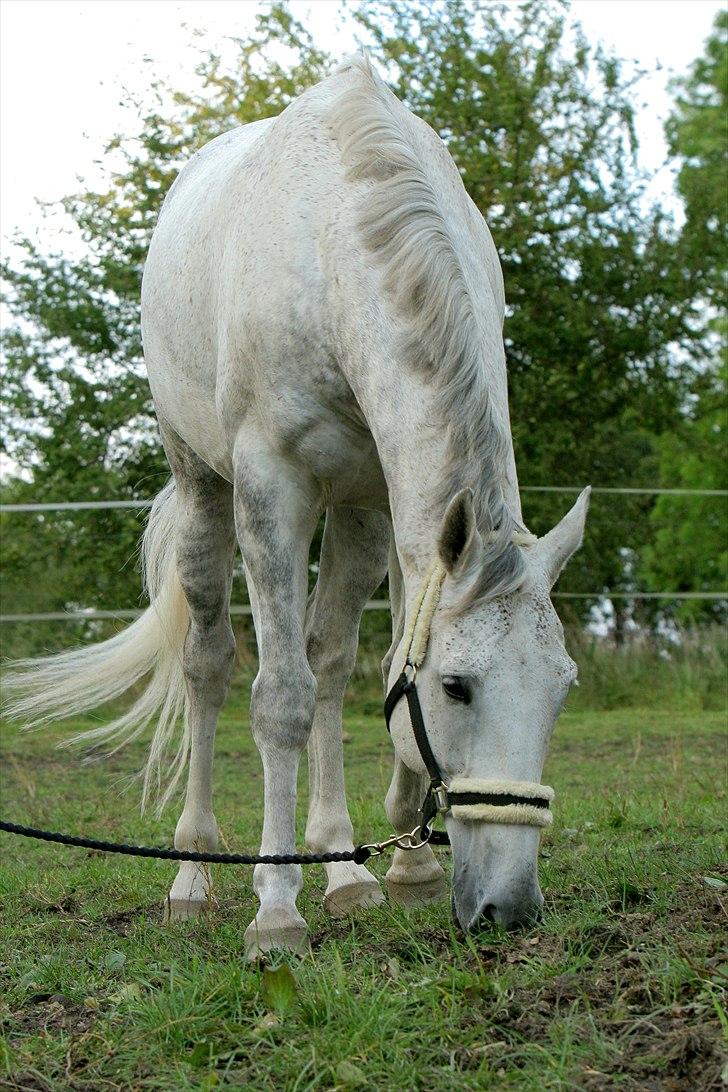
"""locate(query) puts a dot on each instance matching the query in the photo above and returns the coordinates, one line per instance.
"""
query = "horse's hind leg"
(276, 514)
(205, 549)
(353, 564)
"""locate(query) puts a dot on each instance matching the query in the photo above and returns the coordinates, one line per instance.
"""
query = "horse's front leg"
(353, 564)
(415, 875)
(276, 514)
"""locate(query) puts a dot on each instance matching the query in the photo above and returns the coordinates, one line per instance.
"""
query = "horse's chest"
(330, 441)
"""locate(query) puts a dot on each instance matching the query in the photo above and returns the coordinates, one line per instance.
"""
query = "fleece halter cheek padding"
(519, 802)
(474, 799)
(417, 635)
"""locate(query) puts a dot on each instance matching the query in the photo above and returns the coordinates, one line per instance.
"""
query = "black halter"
(439, 799)
(436, 799)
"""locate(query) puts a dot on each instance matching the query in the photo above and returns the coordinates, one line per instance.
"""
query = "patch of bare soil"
(120, 922)
(654, 1048)
(27, 1081)
(67, 906)
(49, 1012)
(123, 921)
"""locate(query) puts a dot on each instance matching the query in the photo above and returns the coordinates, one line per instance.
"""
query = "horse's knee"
(332, 657)
(282, 704)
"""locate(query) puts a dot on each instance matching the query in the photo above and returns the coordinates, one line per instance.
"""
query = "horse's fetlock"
(401, 808)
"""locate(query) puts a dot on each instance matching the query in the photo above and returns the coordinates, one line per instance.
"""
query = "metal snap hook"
(401, 841)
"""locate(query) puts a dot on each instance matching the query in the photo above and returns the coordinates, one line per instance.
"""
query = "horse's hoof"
(417, 894)
(352, 896)
(185, 909)
(261, 937)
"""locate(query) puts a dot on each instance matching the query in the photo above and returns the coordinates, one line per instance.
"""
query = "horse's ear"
(555, 548)
(459, 542)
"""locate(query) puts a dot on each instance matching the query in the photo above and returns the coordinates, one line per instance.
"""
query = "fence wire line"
(379, 604)
(78, 506)
(374, 604)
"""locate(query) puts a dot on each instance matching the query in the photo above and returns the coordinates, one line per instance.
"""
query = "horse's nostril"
(509, 915)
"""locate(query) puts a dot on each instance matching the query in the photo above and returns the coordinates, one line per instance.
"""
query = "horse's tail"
(55, 687)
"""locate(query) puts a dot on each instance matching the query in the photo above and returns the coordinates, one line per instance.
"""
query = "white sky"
(64, 64)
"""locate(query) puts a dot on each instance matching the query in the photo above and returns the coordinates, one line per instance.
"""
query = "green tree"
(690, 534)
(697, 133)
(78, 420)
(543, 133)
(689, 550)
(541, 126)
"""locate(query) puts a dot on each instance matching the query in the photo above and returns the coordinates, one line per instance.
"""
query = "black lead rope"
(358, 855)
(438, 799)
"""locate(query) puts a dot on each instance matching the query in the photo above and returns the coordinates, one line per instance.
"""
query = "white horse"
(322, 309)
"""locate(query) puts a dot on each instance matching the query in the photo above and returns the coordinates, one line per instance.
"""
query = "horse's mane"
(402, 224)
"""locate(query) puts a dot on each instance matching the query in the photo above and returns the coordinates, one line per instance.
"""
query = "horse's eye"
(455, 688)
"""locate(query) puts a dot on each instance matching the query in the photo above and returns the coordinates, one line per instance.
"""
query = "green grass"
(619, 987)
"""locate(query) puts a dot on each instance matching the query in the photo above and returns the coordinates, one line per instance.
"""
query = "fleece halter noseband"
(489, 801)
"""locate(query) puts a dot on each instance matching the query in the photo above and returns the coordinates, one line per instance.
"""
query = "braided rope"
(358, 855)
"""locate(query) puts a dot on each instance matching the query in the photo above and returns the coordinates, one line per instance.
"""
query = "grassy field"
(620, 986)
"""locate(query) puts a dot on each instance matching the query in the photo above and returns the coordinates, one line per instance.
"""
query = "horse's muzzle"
(495, 876)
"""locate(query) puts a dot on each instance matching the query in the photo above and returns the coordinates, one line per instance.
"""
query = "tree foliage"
(542, 128)
(697, 132)
(78, 419)
(604, 315)
(688, 550)
(689, 547)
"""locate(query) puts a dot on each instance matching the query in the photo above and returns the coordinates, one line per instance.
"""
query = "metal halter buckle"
(412, 668)
(442, 802)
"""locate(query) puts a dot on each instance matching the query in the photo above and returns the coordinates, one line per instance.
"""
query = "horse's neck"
(403, 414)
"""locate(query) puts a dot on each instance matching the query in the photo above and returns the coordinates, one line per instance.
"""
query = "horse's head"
(491, 685)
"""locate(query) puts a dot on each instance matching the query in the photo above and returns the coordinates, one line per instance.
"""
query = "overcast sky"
(64, 65)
